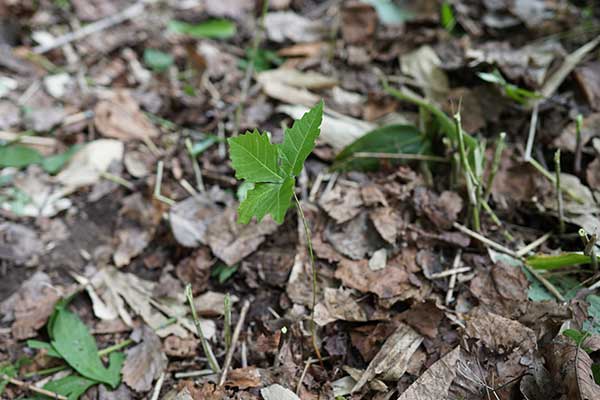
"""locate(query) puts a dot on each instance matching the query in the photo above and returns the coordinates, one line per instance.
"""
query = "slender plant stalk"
(227, 321)
(313, 329)
(559, 198)
(212, 360)
(500, 144)
(469, 178)
(195, 166)
(552, 179)
(578, 145)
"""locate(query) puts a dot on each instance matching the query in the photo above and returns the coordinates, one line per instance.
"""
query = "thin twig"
(157, 186)
(539, 241)
(234, 340)
(485, 240)
(227, 321)
(452, 283)
(532, 130)
(158, 386)
(544, 282)
(559, 199)
(118, 180)
(304, 371)
(212, 360)
(450, 272)
(27, 386)
(100, 25)
(195, 166)
(194, 374)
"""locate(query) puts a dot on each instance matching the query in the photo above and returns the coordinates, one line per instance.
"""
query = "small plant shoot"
(273, 168)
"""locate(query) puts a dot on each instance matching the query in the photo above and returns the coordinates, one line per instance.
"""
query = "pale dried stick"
(31, 388)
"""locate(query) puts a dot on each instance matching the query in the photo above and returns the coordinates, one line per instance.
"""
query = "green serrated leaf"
(73, 341)
(212, 29)
(267, 198)
(299, 140)
(255, 158)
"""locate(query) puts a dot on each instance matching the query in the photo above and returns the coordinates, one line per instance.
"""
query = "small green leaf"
(18, 156)
(299, 140)
(211, 29)
(254, 158)
(549, 262)
(389, 139)
(158, 60)
(267, 198)
(223, 272)
(72, 386)
(54, 164)
(447, 17)
(73, 341)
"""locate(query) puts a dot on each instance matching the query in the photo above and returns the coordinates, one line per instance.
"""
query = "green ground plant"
(272, 170)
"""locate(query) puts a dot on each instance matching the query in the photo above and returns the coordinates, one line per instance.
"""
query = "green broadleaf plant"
(273, 168)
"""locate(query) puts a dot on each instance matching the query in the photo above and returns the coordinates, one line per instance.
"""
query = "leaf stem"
(314, 278)
(469, 178)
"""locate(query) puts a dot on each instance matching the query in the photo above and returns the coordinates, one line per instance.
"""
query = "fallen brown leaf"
(145, 362)
(392, 359)
(435, 382)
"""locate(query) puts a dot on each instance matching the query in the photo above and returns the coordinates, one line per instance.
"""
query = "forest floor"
(452, 200)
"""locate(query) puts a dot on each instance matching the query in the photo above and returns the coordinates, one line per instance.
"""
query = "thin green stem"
(469, 178)
(212, 360)
(552, 179)
(313, 329)
(578, 145)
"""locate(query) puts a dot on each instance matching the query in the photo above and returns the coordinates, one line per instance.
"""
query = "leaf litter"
(116, 181)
